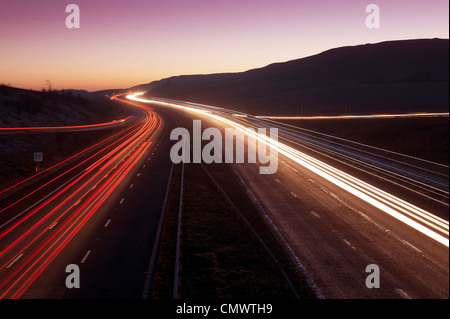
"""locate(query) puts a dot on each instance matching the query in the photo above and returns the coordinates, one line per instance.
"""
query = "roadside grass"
(220, 259)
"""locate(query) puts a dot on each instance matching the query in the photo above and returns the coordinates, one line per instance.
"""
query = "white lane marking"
(298, 172)
(13, 262)
(343, 203)
(85, 256)
(315, 214)
(131, 186)
(107, 223)
(121, 201)
(277, 180)
(403, 293)
(365, 216)
(139, 174)
(349, 243)
(53, 225)
(411, 245)
(312, 181)
(293, 194)
(390, 233)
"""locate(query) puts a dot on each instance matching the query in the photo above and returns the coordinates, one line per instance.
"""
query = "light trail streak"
(347, 117)
(64, 161)
(110, 159)
(72, 226)
(76, 205)
(66, 128)
(395, 207)
(67, 171)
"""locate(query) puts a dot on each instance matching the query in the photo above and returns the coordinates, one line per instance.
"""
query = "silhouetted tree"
(49, 85)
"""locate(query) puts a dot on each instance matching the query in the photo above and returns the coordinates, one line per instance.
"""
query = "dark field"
(425, 138)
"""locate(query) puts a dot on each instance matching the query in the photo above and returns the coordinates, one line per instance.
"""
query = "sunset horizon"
(119, 45)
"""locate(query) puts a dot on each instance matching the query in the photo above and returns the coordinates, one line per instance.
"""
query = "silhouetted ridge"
(393, 76)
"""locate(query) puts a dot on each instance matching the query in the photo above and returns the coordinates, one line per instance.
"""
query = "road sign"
(38, 157)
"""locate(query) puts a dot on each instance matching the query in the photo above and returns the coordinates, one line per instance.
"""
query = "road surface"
(100, 211)
(336, 225)
(85, 210)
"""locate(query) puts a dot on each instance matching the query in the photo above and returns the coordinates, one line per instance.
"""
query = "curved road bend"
(335, 234)
(88, 212)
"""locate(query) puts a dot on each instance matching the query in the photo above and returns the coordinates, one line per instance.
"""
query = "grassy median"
(220, 257)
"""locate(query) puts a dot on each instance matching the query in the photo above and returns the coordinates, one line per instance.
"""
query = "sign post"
(37, 159)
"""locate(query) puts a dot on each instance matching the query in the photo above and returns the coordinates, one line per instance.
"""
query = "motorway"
(424, 178)
(336, 224)
(67, 215)
(101, 210)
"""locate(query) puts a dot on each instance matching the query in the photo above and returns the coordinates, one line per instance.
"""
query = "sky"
(124, 43)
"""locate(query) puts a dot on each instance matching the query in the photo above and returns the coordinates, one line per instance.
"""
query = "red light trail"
(36, 237)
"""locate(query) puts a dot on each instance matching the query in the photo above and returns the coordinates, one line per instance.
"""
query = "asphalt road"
(120, 240)
(110, 205)
(383, 164)
(334, 234)
(48, 224)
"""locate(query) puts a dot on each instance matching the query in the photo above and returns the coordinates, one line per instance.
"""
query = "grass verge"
(220, 257)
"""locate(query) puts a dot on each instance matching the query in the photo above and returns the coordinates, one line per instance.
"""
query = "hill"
(20, 108)
(392, 76)
(27, 108)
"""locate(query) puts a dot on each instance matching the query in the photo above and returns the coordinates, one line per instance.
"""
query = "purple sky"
(125, 43)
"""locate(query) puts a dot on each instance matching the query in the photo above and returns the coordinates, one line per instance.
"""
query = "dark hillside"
(394, 76)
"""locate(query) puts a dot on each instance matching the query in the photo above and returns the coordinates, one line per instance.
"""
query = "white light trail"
(415, 217)
(343, 117)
